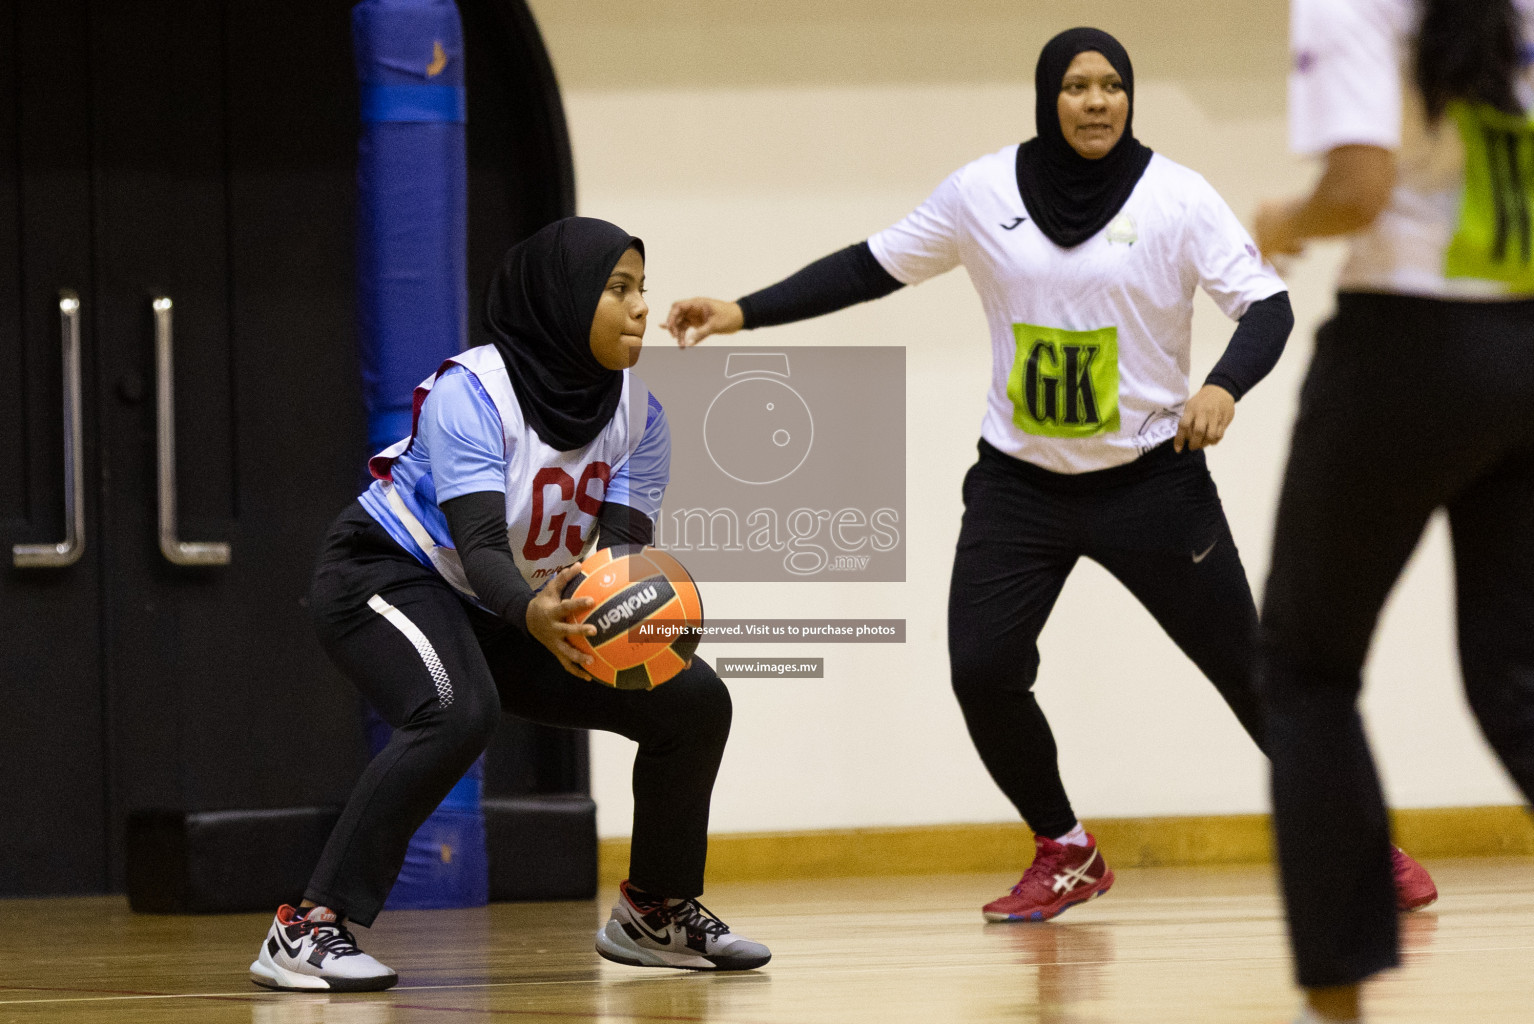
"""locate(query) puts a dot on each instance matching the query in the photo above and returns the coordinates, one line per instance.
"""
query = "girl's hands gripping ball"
(551, 620)
(644, 619)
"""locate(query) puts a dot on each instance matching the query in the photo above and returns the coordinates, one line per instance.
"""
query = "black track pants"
(441, 673)
(1410, 405)
(1157, 525)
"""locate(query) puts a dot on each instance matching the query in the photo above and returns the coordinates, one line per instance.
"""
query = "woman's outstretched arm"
(1354, 189)
(844, 278)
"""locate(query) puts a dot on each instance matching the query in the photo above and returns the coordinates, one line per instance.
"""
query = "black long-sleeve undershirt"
(844, 278)
(623, 524)
(477, 523)
(852, 275)
(1255, 347)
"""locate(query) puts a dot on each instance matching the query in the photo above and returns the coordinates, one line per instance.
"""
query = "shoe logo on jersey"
(1204, 553)
(1065, 881)
(1013, 226)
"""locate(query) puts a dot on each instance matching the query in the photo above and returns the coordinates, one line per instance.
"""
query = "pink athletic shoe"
(1414, 886)
(1059, 878)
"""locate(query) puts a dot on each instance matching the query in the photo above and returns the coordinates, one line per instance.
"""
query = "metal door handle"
(175, 550)
(68, 551)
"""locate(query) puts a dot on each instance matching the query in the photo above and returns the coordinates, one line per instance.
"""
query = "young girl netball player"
(427, 596)
(1086, 250)
(1420, 397)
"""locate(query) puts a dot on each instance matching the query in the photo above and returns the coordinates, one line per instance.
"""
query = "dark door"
(180, 175)
(52, 800)
(224, 151)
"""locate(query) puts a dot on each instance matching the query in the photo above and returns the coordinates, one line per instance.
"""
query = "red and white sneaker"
(1414, 886)
(1060, 877)
(313, 950)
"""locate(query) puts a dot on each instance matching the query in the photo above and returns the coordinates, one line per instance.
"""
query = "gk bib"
(1495, 237)
(1065, 383)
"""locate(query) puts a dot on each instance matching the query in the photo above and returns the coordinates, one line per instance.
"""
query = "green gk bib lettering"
(1495, 237)
(1065, 383)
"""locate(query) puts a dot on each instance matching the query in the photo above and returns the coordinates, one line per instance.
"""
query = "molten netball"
(648, 616)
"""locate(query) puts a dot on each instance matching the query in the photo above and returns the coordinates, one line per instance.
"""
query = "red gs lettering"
(536, 547)
(587, 502)
(533, 549)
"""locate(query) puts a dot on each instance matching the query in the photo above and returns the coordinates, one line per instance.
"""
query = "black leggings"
(1157, 525)
(1410, 405)
(441, 672)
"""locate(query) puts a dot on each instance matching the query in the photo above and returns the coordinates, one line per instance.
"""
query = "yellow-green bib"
(1065, 383)
(1494, 240)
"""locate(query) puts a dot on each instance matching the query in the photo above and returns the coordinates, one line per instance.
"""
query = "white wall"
(745, 170)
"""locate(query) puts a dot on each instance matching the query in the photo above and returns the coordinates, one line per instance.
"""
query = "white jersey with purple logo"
(1090, 345)
(469, 436)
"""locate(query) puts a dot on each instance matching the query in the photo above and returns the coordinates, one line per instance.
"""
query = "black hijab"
(539, 309)
(1070, 197)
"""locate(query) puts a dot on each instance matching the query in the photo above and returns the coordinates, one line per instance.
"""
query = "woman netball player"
(1420, 397)
(1086, 250)
(426, 597)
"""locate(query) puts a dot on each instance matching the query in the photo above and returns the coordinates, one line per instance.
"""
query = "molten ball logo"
(647, 616)
(624, 610)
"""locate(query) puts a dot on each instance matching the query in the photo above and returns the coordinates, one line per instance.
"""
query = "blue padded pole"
(412, 202)
(412, 313)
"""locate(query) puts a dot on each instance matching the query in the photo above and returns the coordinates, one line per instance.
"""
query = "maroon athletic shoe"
(1414, 886)
(1060, 877)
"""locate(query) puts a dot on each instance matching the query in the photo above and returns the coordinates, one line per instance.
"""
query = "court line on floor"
(274, 998)
(125, 995)
(108, 993)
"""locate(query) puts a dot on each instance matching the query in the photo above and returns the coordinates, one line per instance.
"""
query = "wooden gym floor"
(1167, 946)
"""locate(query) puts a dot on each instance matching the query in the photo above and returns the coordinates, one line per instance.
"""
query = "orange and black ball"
(648, 616)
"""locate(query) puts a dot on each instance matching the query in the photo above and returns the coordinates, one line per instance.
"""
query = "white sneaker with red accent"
(646, 932)
(313, 950)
